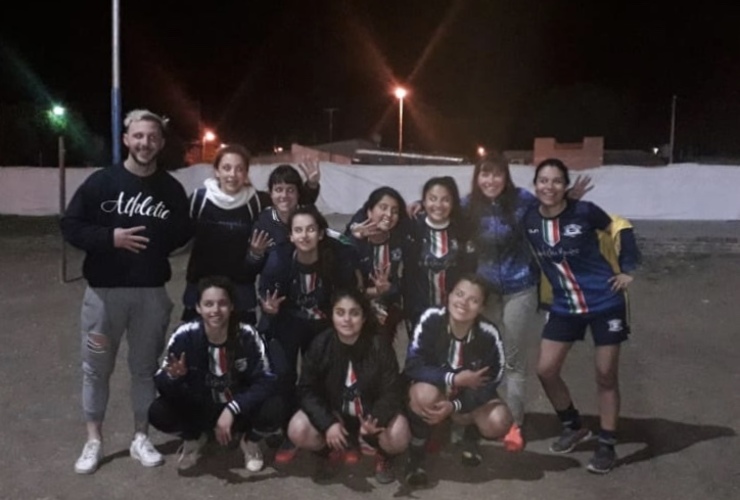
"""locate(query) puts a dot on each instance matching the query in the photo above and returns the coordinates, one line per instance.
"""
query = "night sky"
(496, 73)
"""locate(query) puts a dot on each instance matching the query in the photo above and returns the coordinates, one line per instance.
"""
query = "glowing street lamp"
(481, 151)
(400, 93)
(208, 136)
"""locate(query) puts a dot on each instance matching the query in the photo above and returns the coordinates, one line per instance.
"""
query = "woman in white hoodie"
(223, 212)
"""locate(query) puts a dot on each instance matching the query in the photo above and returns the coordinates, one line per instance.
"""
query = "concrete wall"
(674, 192)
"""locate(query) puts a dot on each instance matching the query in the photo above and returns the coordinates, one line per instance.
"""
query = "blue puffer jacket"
(504, 258)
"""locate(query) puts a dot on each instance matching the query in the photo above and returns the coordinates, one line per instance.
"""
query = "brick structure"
(577, 155)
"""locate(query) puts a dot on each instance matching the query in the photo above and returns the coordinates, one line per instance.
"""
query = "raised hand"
(310, 168)
(129, 240)
(271, 302)
(414, 208)
(176, 367)
(381, 279)
(364, 229)
(581, 186)
(259, 243)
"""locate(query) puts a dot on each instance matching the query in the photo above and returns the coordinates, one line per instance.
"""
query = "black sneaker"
(603, 460)
(569, 439)
(415, 475)
(471, 456)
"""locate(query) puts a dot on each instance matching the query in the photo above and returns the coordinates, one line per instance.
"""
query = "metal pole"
(115, 95)
(331, 122)
(400, 127)
(673, 130)
(62, 205)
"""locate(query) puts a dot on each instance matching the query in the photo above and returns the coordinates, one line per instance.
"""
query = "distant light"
(58, 110)
(655, 151)
(481, 151)
(209, 136)
(278, 149)
(400, 92)
(222, 145)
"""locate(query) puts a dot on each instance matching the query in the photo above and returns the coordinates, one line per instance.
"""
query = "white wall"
(675, 192)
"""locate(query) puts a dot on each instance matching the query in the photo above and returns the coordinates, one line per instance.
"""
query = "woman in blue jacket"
(216, 376)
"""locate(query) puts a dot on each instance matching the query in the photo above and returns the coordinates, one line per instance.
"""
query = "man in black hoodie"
(128, 218)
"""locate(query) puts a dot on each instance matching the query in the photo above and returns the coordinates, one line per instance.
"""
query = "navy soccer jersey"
(568, 251)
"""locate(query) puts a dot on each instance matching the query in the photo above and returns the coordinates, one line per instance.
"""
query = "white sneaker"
(90, 457)
(143, 450)
(190, 452)
(253, 458)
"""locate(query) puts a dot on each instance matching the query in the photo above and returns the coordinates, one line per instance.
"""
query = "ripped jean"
(143, 314)
(517, 319)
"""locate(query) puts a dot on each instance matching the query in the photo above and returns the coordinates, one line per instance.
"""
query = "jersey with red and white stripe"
(351, 401)
(567, 248)
(439, 256)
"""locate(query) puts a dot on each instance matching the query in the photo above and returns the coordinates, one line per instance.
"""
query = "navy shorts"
(607, 327)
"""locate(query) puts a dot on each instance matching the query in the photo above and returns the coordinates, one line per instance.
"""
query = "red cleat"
(513, 441)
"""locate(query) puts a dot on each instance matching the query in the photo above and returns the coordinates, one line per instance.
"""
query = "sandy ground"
(679, 377)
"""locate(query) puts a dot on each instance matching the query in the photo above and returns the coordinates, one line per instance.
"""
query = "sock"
(570, 418)
(607, 438)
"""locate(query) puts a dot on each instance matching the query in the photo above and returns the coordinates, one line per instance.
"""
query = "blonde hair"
(137, 115)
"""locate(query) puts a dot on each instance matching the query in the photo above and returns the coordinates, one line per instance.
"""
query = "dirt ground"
(679, 378)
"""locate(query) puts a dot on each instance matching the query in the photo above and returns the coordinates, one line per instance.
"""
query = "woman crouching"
(455, 362)
(216, 376)
(351, 391)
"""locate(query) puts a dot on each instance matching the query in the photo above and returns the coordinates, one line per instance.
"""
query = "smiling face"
(215, 307)
(492, 182)
(231, 173)
(438, 204)
(348, 319)
(465, 302)
(144, 140)
(385, 213)
(284, 198)
(305, 233)
(550, 186)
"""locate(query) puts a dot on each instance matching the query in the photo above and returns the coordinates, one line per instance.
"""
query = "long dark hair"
(378, 194)
(327, 257)
(370, 326)
(450, 185)
(552, 162)
(232, 332)
(493, 162)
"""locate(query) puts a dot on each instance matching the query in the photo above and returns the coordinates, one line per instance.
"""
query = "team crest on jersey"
(240, 364)
(572, 230)
(396, 254)
(615, 325)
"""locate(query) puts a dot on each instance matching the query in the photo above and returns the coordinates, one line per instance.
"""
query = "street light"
(208, 136)
(400, 93)
(57, 116)
(481, 151)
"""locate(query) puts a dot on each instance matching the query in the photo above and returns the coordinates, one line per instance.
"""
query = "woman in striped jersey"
(216, 376)
(588, 291)
(440, 251)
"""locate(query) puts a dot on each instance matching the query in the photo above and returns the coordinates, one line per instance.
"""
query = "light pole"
(331, 112)
(672, 142)
(208, 136)
(57, 116)
(400, 93)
